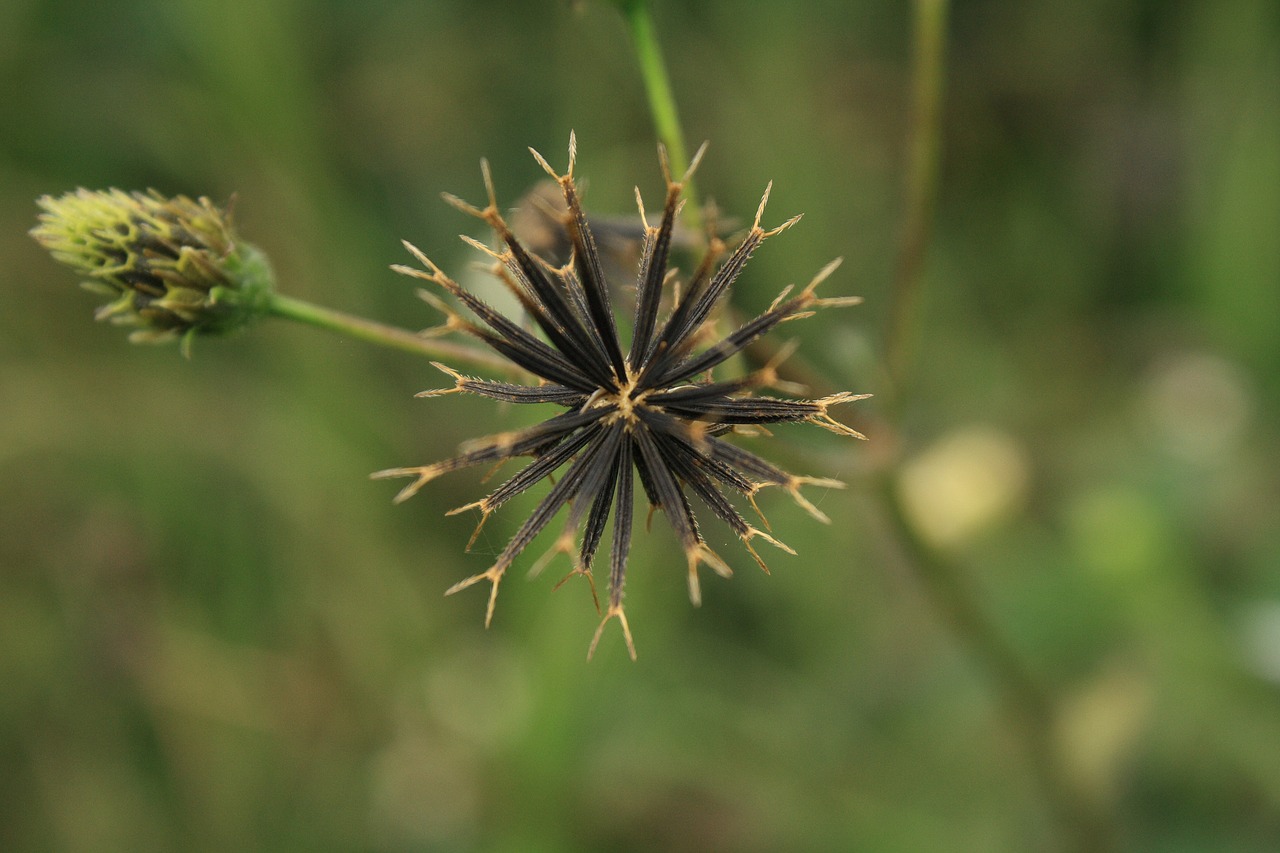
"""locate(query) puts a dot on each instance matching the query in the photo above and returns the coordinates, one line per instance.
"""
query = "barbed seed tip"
(615, 612)
(486, 175)
(542, 161)
(764, 201)
(695, 162)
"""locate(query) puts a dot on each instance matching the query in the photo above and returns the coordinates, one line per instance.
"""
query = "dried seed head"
(650, 410)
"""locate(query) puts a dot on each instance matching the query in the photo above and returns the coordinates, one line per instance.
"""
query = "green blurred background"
(217, 634)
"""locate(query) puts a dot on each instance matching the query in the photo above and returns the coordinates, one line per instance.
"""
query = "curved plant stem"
(921, 182)
(383, 335)
(662, 104)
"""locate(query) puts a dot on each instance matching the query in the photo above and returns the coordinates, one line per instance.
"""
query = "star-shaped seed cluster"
(650, 410)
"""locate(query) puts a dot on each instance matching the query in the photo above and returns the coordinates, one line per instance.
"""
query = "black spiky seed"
(650, 411)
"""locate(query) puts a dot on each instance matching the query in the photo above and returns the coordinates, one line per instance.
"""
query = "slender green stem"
(662, 103)
(383, 335)
(921, 182)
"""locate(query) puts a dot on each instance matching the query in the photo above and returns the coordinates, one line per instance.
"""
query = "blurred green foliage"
(217, 634)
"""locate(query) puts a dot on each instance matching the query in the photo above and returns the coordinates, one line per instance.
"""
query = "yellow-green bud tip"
(173, 267)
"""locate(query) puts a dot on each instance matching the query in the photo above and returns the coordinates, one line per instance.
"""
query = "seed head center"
(626, 399)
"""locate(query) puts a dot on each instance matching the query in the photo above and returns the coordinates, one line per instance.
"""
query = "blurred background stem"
(929, 24)
(662, 104)
(1028, 708)
(379, 333)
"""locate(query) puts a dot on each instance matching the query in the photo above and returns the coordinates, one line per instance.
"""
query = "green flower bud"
(173, 267)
